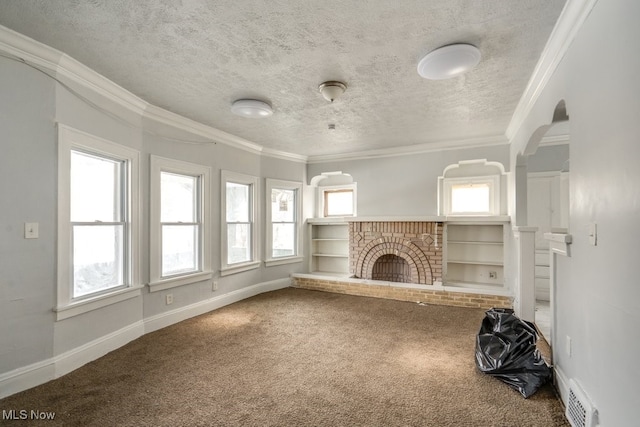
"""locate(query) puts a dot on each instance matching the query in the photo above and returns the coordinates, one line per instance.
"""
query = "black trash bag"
(506, 349)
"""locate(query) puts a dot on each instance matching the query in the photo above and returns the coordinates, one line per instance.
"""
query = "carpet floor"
(295, 358)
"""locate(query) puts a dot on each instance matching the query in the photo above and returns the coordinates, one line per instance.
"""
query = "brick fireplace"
(408, 252)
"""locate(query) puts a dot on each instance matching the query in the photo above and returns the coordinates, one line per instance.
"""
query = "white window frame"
(493, 181)
(69, 140)
(283, 185)
(253, 183)
(204, 272)
(322, 197)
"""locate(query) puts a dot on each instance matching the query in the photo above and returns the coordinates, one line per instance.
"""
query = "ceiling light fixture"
(449, 61)
(332, 90)
(251, 108)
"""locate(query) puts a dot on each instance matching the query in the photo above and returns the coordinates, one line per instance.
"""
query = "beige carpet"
(295, 358)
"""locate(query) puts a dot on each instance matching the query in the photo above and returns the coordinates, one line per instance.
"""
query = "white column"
(524, 303)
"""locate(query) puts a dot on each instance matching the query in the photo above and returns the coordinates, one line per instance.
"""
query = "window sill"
(79, 307)
(281, 261)
(174, 282)
(238, 268)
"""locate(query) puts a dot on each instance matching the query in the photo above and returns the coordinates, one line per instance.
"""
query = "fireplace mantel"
(426, 218)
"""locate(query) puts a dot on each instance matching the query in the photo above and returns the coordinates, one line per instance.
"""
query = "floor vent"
(580, 412)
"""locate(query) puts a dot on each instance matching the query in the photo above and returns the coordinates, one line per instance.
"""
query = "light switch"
(30, 230)
(593, 234)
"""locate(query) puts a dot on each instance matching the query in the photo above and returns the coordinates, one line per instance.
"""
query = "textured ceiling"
(195, 57)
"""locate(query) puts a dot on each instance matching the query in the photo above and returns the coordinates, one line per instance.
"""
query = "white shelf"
(473, 242)
(475, 255)
(329, 241)
(472, 262)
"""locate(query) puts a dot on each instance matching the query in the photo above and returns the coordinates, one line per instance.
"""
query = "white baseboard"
(46, 370)
(168, 318)
(40, 372)
(562, 384)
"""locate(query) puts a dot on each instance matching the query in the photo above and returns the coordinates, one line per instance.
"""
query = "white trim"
(559, 243)
(551, 140)
(254, 206)
(239, 268)
(89, 304)
(79, 356)
(168, 318)
(69, 139)
(562, 383)
(38, 373)
(410, 150)
(204, 173)
(493, 182)
(174, 282)
(284, 185)
(571, 19)
(282, 261)
(32, 375)
(320, 190)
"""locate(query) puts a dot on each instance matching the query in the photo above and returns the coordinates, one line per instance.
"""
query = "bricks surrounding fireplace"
(418, 244)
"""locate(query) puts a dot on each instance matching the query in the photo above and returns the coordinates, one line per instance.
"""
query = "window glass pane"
(470, 197)
(284, 240)
(237, 202)
(339, 203)
(98, 258)
(178, 197)
(95, 188)
(238, 243)
(283, 205)
(179, 249)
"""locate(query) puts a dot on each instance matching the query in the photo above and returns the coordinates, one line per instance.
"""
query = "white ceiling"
(195, 57)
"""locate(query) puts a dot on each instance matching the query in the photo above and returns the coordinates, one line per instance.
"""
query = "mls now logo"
(23, 414)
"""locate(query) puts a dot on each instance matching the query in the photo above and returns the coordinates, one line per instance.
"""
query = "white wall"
(405, 185)
(597, 293)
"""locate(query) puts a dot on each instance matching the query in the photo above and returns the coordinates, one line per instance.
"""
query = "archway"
(542, 188)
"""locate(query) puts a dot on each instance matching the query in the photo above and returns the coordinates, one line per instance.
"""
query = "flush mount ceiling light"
(332, 90)
(251, 108)
(449, 61)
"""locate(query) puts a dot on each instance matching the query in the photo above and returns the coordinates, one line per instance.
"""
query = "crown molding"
(62, 65)
(548, 141)
(574, 14)
(408, 150)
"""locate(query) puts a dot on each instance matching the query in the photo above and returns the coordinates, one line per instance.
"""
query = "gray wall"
(405, 185)
(27, 194)
(597, 294)
(31, 104)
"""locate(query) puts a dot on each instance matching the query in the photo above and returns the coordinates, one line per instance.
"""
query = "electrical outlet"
(169, 299)
(493, 275)
(214, 285)
(568, 346)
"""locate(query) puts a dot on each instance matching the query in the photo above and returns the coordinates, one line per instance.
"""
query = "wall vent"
(580, 412)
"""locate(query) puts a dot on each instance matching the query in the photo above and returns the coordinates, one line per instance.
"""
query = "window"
(180, 215)
(239, 234)
(472, 195)
(97, 223)
(472, 187)
(283, 218)
(338, 202)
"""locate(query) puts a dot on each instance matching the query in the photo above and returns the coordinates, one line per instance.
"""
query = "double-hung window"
(97, 222)
(283, 218)
(180, 244)
(239, 212)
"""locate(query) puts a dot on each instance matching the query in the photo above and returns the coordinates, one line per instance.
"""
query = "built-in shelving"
(329, 248)
(474, 254)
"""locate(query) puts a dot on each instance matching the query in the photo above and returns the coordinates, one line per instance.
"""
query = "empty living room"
(319, 213)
